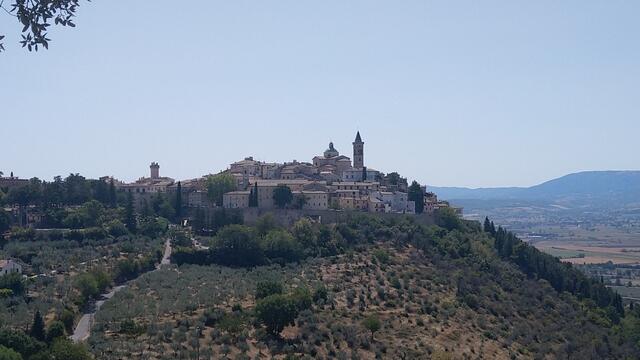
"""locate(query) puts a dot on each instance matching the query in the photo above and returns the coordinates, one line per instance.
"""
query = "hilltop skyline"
(463, 94)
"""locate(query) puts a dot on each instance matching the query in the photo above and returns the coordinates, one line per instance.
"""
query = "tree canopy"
(282, 196)
(218, 185)
(36, 16)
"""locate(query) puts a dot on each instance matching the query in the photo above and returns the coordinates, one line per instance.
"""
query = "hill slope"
(437, 293)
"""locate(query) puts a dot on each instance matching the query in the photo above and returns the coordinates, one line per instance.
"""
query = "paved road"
(83, 329)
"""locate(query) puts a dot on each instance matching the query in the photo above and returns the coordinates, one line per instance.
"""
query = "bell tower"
(155, 170)
(358, 152)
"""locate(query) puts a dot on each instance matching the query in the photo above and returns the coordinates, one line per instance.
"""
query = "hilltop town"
(329, 184)
(317, 259)
(331, 181)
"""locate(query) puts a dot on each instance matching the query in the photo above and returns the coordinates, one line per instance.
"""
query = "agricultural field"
(587, 245)
(53, 268)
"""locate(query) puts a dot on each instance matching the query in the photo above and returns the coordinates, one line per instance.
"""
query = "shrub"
(276, 312)
(268, 288)
(372, 323)
(116, 228)
(281, 247)
(238, 245)
(9, 354)
(301, 298)
(55, 330)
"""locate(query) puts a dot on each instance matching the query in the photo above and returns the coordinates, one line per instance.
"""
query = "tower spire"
(358, 152)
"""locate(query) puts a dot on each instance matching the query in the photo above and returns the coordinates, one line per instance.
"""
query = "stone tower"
(155, 170)
(358, 152)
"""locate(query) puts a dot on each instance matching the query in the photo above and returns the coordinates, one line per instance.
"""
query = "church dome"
(331, 151)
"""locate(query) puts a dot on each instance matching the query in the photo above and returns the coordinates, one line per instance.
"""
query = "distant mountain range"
(583, 189)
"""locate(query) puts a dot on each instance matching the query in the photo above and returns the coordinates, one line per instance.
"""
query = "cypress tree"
(179, 202)
(130, 216)
(255, 193)
(37, 329)
(253, 196)
(487, 225)
(113, 198)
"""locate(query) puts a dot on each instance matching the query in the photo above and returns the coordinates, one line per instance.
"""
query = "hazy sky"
(470, 93)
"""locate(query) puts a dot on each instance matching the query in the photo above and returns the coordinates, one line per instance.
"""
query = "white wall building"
(9, 267)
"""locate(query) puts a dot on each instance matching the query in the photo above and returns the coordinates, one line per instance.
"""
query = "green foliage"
(130, 216)
(91, 284)
(9, 354)
(448, 219)
(116, 228)
(253, 196)
(37, 16)
(153, 227)
(178, 203)
(265, 223)
(129, 327)
(416, 195)
(276, 312)
(301, 298)
(321, 294)
(281, 247)
(218, 185)
(131, 268)
(55, 330)
(67, 318)
(5, 221)
(37, 328)
(13, 282)
(372, 323)
(238, 245)
(65, 349)
(268, 288)
(382, 256)
(20, 342)
(306, 233)
(282, 196)
(562, 276)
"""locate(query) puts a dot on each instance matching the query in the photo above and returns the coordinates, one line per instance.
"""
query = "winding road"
(83, 328)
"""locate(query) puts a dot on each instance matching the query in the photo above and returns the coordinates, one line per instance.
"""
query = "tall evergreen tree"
(487, 225)
(253, 196)
(416, 195)
(130, 215)
(113, 198)
(364, 173)
(37, 329)
(178, 206)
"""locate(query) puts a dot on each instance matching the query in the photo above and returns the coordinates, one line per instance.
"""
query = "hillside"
(427, 292)
(585, 189)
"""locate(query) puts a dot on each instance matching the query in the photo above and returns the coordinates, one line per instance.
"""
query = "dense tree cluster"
(562, 276)
(92, 207)
(218, 185)
(266, 242)
(277, 310)
(49, 343)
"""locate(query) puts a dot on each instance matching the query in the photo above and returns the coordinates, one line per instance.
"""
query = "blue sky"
(458, 93)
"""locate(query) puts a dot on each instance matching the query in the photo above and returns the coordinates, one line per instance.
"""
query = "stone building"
(358, 152)
(146, 187)
(236, 199)
(10, 267)
(11, 182)
(332, 162)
